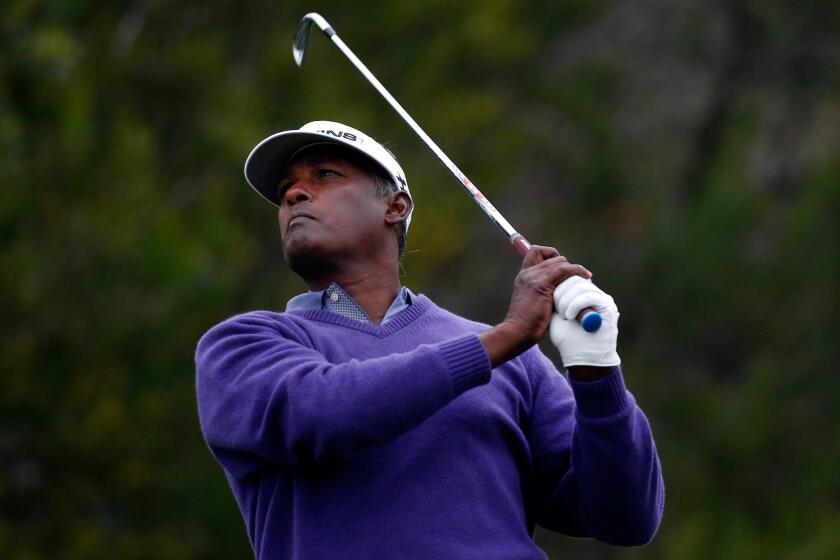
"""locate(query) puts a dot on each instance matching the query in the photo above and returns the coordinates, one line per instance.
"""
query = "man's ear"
(399, 207)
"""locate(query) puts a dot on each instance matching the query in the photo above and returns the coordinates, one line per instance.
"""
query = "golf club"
(589, 319)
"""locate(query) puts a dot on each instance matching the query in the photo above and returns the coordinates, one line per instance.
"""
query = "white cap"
(269, 158)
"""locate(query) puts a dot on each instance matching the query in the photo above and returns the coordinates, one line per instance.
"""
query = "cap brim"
(267, 162)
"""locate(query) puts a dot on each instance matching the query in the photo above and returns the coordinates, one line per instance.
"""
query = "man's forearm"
(616, 463)
(288, 404)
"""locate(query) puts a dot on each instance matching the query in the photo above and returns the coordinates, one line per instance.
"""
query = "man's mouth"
(298, 217)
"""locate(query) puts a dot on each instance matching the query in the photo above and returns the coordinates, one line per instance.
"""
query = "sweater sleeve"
(596, 469)
(265, 395)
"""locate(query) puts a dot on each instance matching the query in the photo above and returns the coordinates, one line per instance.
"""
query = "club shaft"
(518, 240)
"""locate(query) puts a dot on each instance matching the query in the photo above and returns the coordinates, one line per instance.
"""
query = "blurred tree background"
(686, 151)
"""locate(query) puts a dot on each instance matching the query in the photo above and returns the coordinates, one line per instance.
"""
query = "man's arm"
(264, 394)
(596, 470)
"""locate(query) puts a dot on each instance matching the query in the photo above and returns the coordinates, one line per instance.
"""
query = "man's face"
(329, 209)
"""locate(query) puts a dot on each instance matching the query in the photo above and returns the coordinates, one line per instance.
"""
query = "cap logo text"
(339, 134)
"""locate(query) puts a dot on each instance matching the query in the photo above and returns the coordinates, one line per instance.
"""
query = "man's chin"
(306, 258)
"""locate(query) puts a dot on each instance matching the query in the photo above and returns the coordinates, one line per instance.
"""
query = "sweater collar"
(419, 305)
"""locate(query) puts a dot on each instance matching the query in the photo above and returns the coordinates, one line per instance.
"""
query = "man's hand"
(576, 346)
(531, 303)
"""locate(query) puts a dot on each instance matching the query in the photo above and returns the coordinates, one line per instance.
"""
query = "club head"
(301, 42)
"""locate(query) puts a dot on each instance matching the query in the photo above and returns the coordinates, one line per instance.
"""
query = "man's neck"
(373, 289)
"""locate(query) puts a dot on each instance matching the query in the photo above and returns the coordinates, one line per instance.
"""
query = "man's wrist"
(603, 397)
(502, 343)
(589, 373)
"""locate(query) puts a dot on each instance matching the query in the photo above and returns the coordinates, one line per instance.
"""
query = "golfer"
(367, 422)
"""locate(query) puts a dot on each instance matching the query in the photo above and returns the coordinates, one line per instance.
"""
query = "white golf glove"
(576, 346)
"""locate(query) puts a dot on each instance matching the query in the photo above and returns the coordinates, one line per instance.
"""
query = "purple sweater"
(346, 440)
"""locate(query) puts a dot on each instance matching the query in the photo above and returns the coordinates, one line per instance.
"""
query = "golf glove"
(576, 346)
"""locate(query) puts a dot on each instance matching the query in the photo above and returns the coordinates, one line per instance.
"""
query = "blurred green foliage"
(687, 152)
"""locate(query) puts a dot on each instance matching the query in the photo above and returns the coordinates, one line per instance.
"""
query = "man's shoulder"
(255, 317)
(252, 322)
(468, 325)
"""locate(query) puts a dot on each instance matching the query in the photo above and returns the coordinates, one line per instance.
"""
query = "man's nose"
(301, 191)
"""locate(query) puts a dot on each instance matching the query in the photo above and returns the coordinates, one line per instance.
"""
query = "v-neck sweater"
(342, 439)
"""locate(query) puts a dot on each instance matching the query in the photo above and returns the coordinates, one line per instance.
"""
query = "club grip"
(589, 319)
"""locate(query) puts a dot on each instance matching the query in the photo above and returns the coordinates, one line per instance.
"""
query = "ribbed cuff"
(603, 397)
(468, 362)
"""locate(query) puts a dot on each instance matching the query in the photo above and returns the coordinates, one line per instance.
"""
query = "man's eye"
(326, 172)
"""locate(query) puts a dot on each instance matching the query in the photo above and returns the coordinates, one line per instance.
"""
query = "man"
(367, 422)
